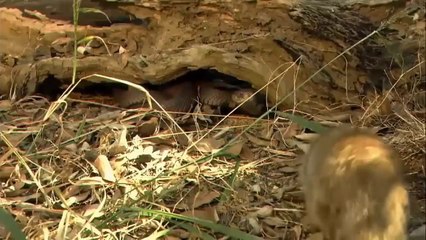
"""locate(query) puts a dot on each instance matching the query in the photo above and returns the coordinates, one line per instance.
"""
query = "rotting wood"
(252, 42)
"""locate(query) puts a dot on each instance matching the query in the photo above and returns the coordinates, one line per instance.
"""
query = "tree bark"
(254, 41)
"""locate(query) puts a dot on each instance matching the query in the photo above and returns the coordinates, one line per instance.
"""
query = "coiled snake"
(179, 96)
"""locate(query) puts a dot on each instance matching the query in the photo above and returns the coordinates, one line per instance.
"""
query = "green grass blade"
(231, 232)
(314, 126)
(195, 231)
(9, 223)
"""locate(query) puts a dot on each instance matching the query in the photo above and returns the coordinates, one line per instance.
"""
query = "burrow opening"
(52, 88)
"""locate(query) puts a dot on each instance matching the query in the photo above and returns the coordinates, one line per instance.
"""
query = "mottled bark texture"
(254, 41)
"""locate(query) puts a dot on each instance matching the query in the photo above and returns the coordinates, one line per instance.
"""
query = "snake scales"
(179, 96)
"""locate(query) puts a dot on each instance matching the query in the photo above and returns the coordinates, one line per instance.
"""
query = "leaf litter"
(91, 164)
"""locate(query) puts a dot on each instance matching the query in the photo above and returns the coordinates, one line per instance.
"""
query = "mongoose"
(353, 187)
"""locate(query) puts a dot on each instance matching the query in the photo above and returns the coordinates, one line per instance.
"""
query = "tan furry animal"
(353, 187)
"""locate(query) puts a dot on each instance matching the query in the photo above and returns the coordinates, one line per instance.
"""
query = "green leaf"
(11, 225)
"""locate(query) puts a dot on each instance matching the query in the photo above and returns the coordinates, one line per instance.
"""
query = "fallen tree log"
(281, 45)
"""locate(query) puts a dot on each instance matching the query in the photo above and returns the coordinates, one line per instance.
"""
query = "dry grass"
(80, 172)
(85, 173)
(88, 170)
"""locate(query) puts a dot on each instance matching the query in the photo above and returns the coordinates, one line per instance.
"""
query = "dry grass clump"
(85, 172)
(92, 171)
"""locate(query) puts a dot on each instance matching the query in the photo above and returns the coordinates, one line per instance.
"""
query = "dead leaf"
(119, 166)
(235, 149)
(107, 116)
(246, 153)
(75, 199)
(89, 210)
(129, 191)
(6, 171)
(117, 195)
(148, 128)
(282, 153)
(256, 228)
(275, 222)
(143, 154)
(179, 233)
(85, 146)
(121, 50)
(72, 147)
(204, 198)
(197, 198)
(182, 139)
(104, 167)
(16, 138)
(208, 213)
(209, 145)
(67, 134)
(256, 188)
(265, 211)
(286, 133)
(277, 193)
(148, 150)
(20, 180)
(266, 132)
(115, 150)
(70, 191)
(91, 154)
(257, 141)
(5, 105)
(272, 233)
(120, 144)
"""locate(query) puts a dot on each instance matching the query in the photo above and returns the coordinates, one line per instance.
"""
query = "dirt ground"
(92, 169)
